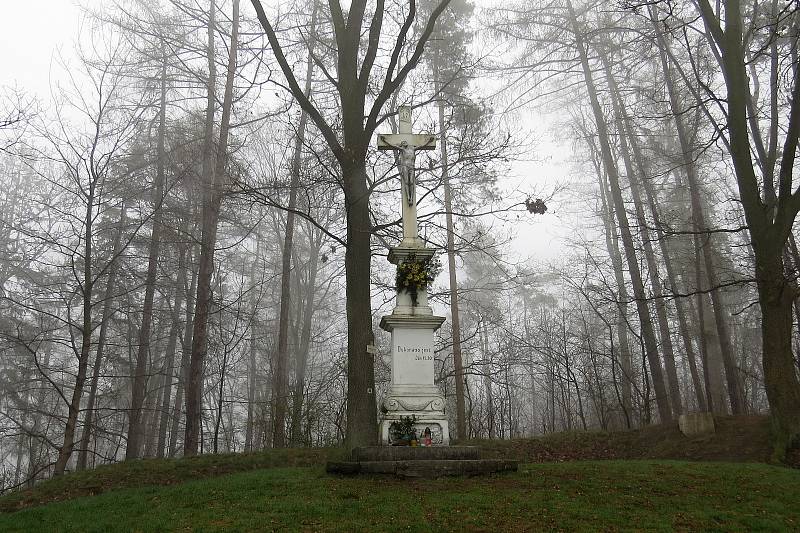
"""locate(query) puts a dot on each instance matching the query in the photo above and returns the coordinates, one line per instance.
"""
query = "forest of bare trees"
(193, 227)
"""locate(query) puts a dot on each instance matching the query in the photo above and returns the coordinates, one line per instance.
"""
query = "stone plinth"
(420, 462)
(412, 391)
(415, 453)
(425, 469)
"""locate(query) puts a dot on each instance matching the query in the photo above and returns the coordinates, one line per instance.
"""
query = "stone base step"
(415, 453)
(422, 468)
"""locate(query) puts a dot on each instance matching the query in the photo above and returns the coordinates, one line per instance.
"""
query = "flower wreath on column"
(415, 274)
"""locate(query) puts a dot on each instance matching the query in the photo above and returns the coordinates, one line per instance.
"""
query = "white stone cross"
(407, 144)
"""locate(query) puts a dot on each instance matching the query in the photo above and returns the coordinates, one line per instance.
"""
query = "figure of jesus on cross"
(407, 144)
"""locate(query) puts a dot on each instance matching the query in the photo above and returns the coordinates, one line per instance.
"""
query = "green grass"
(571, 496)
(148, 472)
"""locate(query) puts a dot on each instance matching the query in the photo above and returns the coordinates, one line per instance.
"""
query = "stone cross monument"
(412, 322)
(407, 144)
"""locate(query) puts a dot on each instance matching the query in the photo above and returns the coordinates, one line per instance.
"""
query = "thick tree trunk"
(780, 372)
(769, 228)
(648, 334)
(362, 413)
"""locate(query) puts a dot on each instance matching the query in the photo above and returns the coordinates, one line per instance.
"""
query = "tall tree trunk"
(251, 364)
(136, 423)
(487, 380)
(627, 139)
(211, 208)
(280, 389)
(362, 412)
(108, 312)
(648, 334)
(455, 321)
(87, 287)
(220, 399)
(301, 362)
(612, 245)
(186, 355)
(699, 225)
(172, 343)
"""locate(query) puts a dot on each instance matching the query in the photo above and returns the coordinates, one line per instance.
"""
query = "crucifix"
(407, 144)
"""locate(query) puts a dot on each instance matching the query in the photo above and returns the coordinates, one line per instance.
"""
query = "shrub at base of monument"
(403, 432)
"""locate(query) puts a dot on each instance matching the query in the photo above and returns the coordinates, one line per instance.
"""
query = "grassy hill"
(288, 490)
(737, 439)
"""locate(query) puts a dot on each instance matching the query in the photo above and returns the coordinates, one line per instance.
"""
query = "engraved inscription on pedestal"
(412, 356)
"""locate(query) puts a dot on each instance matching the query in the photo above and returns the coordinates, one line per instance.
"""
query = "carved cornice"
(398, 254)
(433, 322)
(405, 404)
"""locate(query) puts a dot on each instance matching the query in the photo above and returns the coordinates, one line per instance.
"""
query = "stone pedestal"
(425, 463)
(412, 391)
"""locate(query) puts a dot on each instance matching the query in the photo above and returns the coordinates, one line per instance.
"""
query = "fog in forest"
(195, 218)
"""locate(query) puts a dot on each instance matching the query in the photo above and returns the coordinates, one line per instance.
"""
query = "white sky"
(33, 34)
